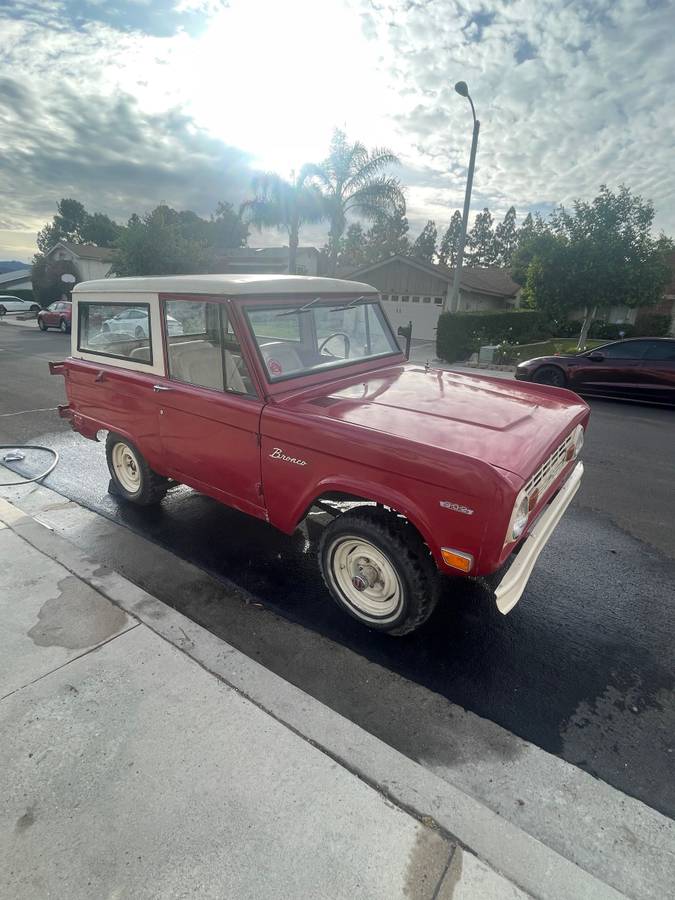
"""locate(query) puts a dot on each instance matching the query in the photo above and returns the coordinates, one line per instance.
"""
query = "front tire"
(132, 477)
(550, 375)
(378, 570)
(41, 325)
(63, 326)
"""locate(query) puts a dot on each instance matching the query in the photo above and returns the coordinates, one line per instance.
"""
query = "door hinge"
(258, 440)
(260, 489)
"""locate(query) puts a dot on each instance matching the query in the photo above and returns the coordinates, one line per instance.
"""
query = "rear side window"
(202, 348)
(120, 330)
(664, 350)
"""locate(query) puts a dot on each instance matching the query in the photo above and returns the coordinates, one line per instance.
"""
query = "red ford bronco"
(274, 394)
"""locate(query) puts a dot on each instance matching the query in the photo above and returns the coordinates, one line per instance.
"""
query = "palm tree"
(286, 205)
(352, 180)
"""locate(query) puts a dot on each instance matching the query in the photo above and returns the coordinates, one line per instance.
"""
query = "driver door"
(612, 370)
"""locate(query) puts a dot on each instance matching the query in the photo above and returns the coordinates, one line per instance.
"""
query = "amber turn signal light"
(457, 560)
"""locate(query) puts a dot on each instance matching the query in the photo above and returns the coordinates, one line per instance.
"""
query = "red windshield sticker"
(275, 367)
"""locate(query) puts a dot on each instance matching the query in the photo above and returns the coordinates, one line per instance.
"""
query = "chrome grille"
(544, 477)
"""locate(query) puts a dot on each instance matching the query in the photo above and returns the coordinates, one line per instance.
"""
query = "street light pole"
(463, 90)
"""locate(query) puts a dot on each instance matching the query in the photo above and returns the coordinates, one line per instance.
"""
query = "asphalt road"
(584, 667)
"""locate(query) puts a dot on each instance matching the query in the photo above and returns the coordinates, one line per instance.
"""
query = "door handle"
(160, 387)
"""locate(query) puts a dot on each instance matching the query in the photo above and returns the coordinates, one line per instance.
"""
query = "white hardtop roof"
(233, 285)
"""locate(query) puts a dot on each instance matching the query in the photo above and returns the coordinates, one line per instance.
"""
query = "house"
(417, 291)
(272, 260)
(91, 262)
(18, 280)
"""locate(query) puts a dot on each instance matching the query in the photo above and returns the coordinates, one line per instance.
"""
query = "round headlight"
(521, 512)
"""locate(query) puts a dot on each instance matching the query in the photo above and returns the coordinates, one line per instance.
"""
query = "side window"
(103, 331)
(664, 350)
(625, 350)
(202, 348)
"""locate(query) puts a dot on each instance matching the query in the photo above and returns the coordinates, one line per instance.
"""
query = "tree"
(506, 238)
(387, 236)
(163, 243)
(600, 255)
(532, 226)
(73, 223)
(352, 249)
(425, 244)
(46, 277)
(481, 248)
(228, 228)
(100, 229)
(352, 180)
(285, 205)
(447, 253)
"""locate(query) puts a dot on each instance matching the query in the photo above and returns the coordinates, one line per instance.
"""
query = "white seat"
(284, 355)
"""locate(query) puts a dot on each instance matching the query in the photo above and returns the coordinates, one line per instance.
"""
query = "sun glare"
(275, 78)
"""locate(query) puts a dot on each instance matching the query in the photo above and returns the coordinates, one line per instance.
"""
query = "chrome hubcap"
(126, 467)
(365, 578)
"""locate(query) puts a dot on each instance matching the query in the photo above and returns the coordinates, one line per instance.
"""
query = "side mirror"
(596, 356)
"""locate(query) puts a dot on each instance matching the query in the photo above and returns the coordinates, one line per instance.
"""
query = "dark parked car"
(56, 316)
(637, 369)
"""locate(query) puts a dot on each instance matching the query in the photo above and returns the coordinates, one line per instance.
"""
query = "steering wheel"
(345, 337)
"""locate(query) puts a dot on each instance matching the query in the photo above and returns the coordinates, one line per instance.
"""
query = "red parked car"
(277, 394)
(58, 315)
(634, 369)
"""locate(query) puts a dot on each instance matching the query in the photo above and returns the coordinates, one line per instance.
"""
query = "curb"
(528, 863)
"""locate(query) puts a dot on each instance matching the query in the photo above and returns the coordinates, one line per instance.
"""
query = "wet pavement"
(584, 667)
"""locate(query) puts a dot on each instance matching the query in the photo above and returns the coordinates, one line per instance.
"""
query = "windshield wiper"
(299, 309)
(353, 302)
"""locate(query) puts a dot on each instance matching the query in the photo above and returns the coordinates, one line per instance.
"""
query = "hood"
(507, 423)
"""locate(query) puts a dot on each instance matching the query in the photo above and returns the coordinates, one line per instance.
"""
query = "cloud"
(130, 103)
(570, 95)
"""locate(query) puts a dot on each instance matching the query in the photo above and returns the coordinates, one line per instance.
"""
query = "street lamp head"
(462, 88)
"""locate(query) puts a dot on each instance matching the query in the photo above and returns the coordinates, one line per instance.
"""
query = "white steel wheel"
(127, 467)
(366, 579)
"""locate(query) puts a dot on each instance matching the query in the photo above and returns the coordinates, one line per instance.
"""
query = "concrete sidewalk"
(10, 319)
(130, 769)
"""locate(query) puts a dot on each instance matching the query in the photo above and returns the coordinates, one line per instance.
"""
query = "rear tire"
(35, 308)
(378, 570)
(550, 375)
(3, 310)
(132, 477)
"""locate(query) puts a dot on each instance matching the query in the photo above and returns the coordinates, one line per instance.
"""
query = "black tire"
(3, 310)
(35, 308)
(405, 551)
(151, 486)
(63, 326)
(139, 334)
(41, 325)
(551, 375)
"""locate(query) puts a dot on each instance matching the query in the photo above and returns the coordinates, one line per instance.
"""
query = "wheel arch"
(367, 493)
(552, 365)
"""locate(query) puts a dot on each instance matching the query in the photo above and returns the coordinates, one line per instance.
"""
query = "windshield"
(310, 335)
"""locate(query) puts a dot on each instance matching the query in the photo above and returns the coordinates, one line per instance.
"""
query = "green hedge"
(461, 334)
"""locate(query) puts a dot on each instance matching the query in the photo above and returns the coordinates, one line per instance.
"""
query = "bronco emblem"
(456, 507)
(278, 453)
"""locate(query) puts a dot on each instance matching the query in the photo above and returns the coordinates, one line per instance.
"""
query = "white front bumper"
(512, 585)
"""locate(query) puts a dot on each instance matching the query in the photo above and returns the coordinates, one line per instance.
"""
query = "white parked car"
(16, 304)
(135, 322)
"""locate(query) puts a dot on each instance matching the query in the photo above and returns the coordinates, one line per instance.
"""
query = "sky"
(124, 104)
